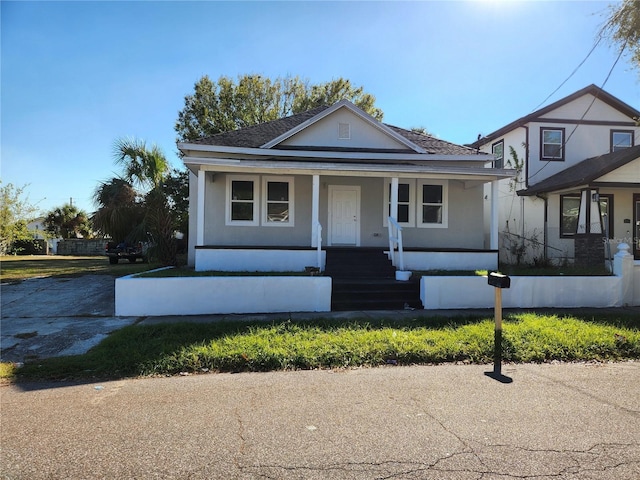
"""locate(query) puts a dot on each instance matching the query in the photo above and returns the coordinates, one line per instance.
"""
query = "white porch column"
(200, 214)
(315, 209)
(493, 233)
(394, 198)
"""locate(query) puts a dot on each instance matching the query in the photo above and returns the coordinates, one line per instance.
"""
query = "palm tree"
(119, 210)
(142, 166)
(138, 212)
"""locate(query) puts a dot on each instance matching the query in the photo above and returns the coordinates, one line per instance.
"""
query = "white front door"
(344, 215)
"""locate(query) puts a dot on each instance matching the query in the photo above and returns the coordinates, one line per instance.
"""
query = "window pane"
(403, 192)
(498, 152)
(552, 136)
(242, 190)
(242, 211)
(432, 194)
(621, 140)
(403, 213)
(278, 212)
(570, 211)
(431, 214)
(278, 191)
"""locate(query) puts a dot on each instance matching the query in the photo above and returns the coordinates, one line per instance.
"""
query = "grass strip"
(169, 349)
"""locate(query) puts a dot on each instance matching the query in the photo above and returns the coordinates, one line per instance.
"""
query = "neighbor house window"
(432, 204)
(498, 151)
(606, 208)
(242, 200)
(569, 211)
(552, 143)
(277, 204)
(406, 202)
(621, 139)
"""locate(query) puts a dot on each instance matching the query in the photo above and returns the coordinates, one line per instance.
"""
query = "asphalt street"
(555, 421)
(562, 421)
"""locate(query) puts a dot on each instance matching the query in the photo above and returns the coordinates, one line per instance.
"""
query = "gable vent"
(344, 131)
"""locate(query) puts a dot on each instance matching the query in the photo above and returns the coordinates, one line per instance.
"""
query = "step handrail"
(318, 226)
(395, 239)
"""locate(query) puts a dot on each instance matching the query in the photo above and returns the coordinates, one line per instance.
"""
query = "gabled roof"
(269, 134)
(591, 89)
(585, 172)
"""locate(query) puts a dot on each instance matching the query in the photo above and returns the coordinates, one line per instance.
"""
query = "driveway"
(53, 316)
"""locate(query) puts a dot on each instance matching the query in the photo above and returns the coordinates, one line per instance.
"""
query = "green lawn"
(287, 345)
(20, 267)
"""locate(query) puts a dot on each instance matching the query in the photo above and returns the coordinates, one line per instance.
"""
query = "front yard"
(191, 348)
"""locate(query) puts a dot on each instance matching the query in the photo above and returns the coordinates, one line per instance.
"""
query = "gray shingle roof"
(258, 135)
(584, 172)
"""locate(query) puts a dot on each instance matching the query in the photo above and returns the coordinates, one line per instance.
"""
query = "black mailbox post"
(498, 281)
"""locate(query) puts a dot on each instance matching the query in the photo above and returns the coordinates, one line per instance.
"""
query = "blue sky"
(78, 75)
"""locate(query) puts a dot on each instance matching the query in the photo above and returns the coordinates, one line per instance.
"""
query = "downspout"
(526, 156)
(545, 225)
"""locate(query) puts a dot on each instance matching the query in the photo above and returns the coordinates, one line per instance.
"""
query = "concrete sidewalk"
(560, 421)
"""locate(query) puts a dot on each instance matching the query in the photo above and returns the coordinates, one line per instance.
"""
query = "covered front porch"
(422, 222)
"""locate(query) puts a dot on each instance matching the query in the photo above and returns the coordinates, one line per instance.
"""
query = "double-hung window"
(621, 139)
(569, 211)
(242, 200)
(252, 201)
(277, 202)
(552, 143)
(406, 202)
(432, 204)
(498, 151)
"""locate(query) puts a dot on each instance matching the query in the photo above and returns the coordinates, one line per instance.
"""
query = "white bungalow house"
(578, 180)
(336, 191)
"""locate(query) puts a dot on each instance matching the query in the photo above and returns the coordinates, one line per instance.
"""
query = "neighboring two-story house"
(578, 163)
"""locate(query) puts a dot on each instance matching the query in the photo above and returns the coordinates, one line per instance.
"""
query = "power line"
(595, 97)
(570, 75)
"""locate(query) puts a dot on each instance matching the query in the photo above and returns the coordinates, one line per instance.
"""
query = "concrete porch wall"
(137, 296)
(461, 260)
(256, 260)
(525, 292)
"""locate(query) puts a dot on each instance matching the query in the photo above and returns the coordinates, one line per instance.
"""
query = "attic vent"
(344, 131)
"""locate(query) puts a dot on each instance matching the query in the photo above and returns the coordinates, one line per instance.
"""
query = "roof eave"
(324, 154)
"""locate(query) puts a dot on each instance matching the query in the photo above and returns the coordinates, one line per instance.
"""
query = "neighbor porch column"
(200, 213)
(315, 209)
(394, 198)
(493, 233)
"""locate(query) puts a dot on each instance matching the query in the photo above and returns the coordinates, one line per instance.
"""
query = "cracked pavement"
(554, 421)
(53, 316)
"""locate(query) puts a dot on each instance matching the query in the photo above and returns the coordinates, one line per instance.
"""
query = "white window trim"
(445, 203)
(290, 181)
(242, 223)
(412, 202)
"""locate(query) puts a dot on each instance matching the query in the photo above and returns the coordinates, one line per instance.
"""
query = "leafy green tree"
(623, 28)
(176, 189)
(68, 222)
(15, 213)
(225, 105)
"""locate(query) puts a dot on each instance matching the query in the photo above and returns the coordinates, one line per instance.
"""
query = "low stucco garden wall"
(525, 292)
(146, 296)
(257, 260)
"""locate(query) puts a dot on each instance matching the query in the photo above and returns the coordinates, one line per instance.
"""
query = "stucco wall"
(212, 295)
(465, 217)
